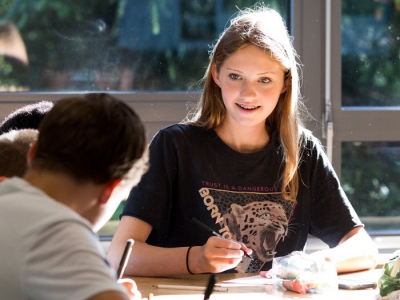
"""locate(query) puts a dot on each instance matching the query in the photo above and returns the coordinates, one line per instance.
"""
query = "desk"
(270, 292)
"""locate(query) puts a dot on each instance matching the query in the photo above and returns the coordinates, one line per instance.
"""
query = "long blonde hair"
(266, 29)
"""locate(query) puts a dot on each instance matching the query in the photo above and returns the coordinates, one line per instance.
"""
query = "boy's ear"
(31, 152)
(108, 189)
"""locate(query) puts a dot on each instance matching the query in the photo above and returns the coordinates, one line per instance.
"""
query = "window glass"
(64, 45)
(371, 77)
(370, 178)
(370, 53)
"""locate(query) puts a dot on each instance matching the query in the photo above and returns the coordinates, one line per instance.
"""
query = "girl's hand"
(216, 256)
(131, 288)
(267, 274)
(245, 249)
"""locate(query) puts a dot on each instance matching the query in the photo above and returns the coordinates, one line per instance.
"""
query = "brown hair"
(14, 147)
(94, 138)
(266, 29)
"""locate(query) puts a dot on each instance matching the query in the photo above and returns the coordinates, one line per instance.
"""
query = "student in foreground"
(90, 152)
(243, 165)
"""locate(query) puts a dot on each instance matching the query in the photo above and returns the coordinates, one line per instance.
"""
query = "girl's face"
(251, 82)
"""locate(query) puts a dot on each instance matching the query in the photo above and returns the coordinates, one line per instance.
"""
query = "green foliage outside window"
(117, 44)
(370, 53)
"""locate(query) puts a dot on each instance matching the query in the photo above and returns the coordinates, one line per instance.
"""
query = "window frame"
(350, 123)
(307, 25)
(356, 123)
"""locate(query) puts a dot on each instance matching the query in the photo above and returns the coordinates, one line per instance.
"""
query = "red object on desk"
(296, 285)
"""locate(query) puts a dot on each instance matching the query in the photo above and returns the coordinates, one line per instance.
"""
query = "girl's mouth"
(250, 107)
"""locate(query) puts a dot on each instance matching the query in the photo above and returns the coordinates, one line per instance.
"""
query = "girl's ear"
(286, 83)
(215, 74)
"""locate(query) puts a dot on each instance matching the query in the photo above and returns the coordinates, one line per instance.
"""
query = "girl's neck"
(243, 139)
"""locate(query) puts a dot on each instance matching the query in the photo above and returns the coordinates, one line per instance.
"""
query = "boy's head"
(95, 138)
(14, 147)
(26, 117)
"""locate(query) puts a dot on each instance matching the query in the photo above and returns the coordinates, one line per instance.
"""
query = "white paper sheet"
(251, 280)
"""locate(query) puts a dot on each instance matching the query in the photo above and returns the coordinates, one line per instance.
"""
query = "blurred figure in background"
(13, 59)
(26, 117)
(14, 147)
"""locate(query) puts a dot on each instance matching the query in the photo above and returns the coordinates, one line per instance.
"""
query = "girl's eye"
(265, 80)
(234, 76)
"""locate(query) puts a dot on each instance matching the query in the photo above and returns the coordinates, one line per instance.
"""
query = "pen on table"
(210, 231)
(210, 286)
(189, 287)
(125, 258)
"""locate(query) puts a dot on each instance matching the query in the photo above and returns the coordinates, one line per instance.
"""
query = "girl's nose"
(248, 89)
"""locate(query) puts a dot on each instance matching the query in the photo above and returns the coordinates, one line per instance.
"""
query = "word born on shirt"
(215, 213)
(263, 189)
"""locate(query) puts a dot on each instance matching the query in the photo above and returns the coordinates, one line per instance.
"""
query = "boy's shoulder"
(35, 203)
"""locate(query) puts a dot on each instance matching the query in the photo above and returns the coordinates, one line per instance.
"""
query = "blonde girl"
(244, 165)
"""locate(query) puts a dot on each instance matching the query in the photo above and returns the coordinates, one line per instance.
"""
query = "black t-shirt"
(193, 173)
